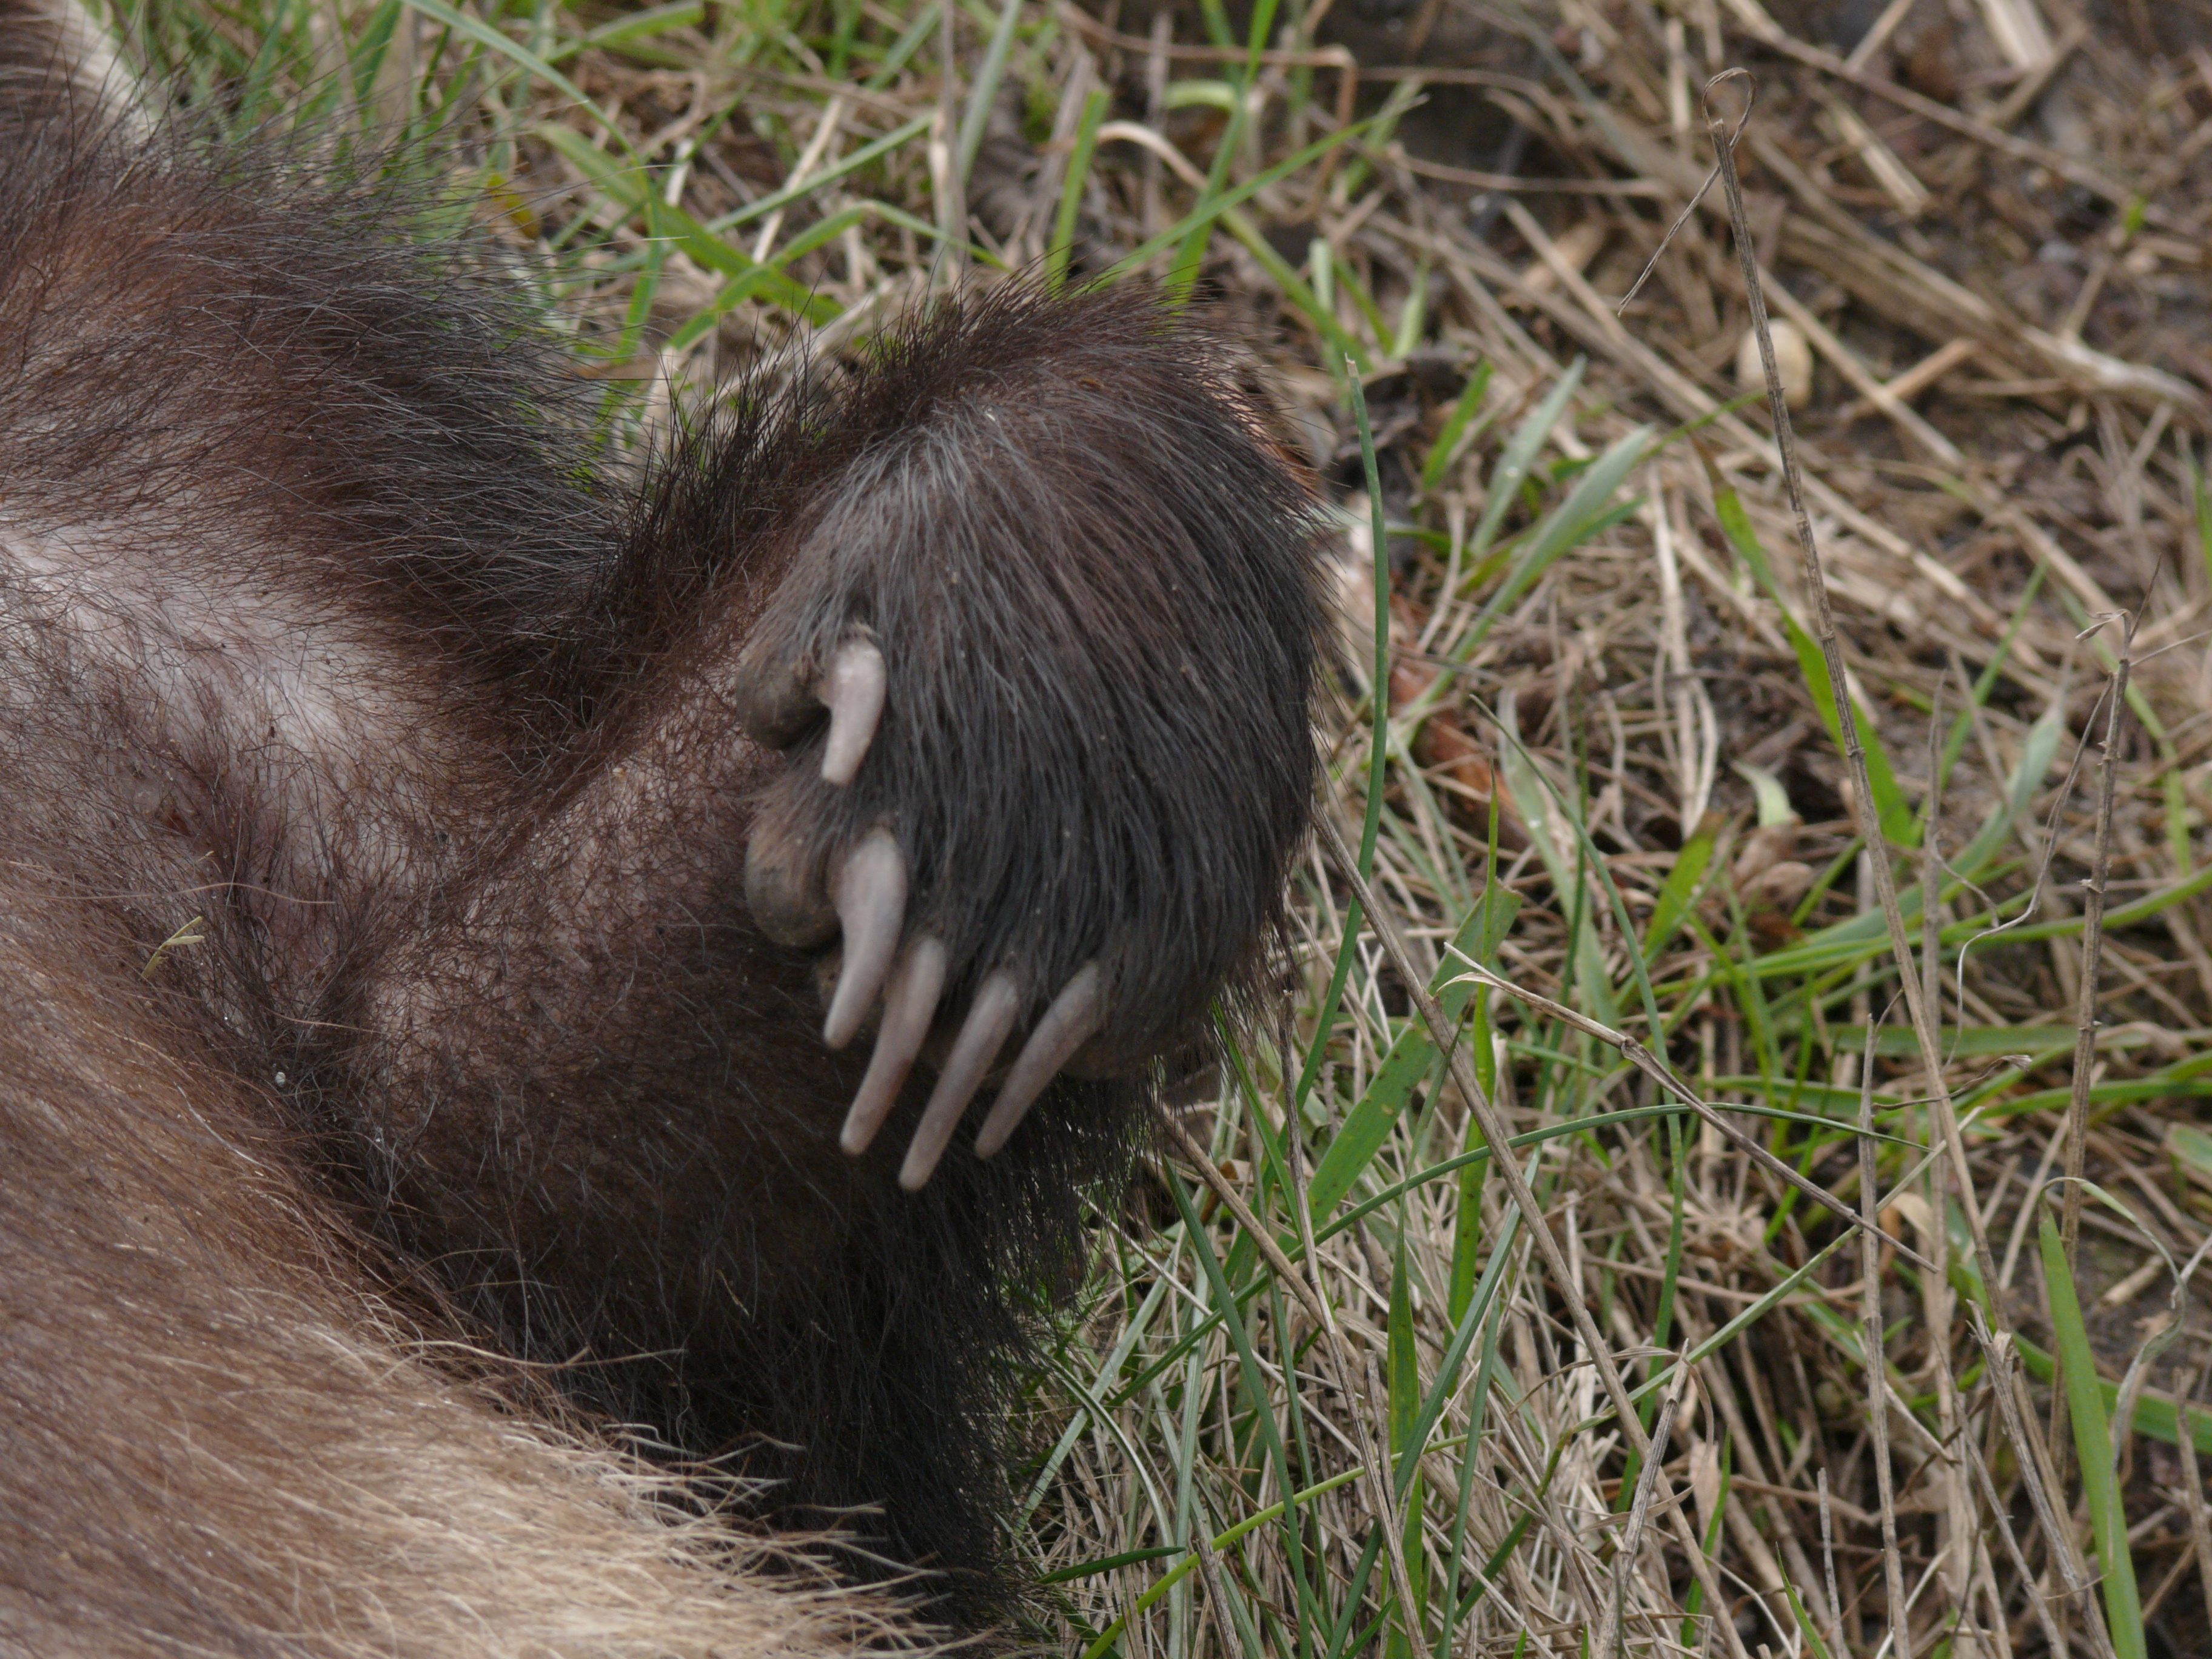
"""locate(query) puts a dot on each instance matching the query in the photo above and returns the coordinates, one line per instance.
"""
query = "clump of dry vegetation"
(1706, 1184)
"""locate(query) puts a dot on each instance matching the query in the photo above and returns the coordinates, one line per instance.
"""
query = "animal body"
(492, 948)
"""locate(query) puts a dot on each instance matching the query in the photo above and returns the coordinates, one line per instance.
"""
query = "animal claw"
(1074, 1018)
(909, 1006)
(870, 891)
(990, 1019)
(852, 691)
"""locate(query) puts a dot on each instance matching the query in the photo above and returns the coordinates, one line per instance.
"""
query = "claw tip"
(853, 690)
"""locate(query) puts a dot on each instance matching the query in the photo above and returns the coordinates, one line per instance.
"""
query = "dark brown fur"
(319, 625)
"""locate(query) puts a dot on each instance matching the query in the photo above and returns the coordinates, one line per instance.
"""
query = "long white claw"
(909, 1006)
(852, 691)
(871, 891)
(984, 1034)
(1074, 1018)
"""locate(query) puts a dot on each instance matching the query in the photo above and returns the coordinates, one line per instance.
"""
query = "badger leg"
(967, 744)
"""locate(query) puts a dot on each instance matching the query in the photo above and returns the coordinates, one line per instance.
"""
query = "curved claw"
(997, 1000)
(909, 1006)
(872, 905)
(1074, 1018)
(852, 691)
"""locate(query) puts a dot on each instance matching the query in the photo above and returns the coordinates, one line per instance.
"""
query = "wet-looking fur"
(400, 1073)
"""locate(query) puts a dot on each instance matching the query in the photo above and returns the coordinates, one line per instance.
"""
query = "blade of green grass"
(2093, 1449)
(903, 48)
(1240, 1340)
(1539, 804)
(1410, 1057)
(1192, 251)
(632, 25)
(1585, 510)
(1467, 1215)
(985, 87)
(1684, 883)
(1460, 428)
(485, 35)
(1898, 823)
(1478, 1407)
(1421, 1421)
(1407, 1434)
(1095, 106)
(1520, 452)
(816, 182)
(1378, 699)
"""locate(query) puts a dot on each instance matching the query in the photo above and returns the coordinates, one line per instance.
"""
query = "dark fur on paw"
(1042, 666)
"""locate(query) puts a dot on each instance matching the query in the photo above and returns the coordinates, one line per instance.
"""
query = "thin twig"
(1877, 1367)
(1647, 1487)
(1217, 1601)
(2054, 1634)
(1828, 1561)
(1204, 1168)
(2086, 997)
(1863, 804)
(2192, 1488)
(1935, 1287)
(2037, 1476)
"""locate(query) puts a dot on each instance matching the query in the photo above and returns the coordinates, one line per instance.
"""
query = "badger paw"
(857, 897)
